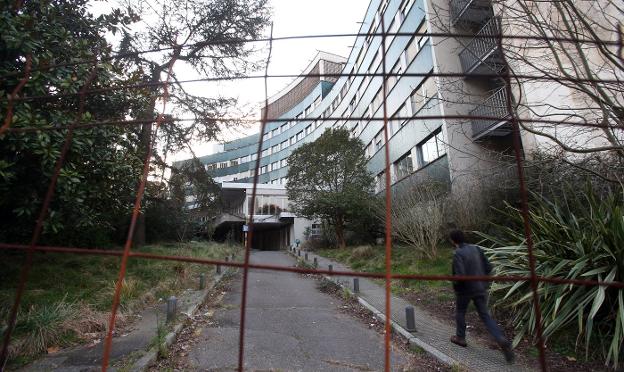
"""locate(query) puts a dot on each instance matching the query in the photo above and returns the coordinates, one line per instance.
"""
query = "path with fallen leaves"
(291, 326)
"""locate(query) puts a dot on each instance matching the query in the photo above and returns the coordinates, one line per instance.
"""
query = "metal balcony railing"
(495, 106)
(470, 11)
(482, 53)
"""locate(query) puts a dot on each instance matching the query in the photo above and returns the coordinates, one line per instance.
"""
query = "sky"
(290, 17)
(290, 57)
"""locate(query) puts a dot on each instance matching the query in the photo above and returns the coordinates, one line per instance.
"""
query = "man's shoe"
(458, 341)
(508, 352)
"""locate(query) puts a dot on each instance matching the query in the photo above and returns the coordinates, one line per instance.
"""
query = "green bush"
(576, 236)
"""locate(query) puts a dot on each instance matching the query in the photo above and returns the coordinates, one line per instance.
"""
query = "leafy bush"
(577, 236)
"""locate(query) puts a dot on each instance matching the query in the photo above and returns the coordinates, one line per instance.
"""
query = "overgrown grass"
(404, 261)
(68, 296)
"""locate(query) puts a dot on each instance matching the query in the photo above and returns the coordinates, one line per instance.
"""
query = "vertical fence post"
(410, 320)
(172, 305)
(202, 281)
(356, 285)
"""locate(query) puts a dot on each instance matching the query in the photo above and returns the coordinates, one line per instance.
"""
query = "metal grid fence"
(15, 98)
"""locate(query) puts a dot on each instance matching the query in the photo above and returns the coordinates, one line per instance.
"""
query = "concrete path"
(475, 357)
(290, 326)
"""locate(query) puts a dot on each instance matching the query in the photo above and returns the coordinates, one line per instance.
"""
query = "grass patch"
(68, 296)
(404, 261)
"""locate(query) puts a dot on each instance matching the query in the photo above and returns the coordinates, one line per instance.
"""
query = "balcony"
(482, 55)
(494, 107)
(470, 11)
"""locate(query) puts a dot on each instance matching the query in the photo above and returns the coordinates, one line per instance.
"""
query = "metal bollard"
(172, 308)
(331, 267)
(410, 320)
(356, 285)
(227, 258)
(306, 256)
(299, 252)
(315, 262)
(202, 281)
(218, 269)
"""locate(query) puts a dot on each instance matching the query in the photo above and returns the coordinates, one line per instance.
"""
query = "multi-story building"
(423, 144)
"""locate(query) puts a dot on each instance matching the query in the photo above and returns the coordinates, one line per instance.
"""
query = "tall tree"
(100, 169)
(328, 179)
(206, 36)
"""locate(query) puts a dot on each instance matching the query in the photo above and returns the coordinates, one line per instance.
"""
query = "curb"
(152, 354)
(411, 339)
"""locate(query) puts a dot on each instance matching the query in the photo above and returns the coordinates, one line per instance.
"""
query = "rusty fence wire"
(14, 98)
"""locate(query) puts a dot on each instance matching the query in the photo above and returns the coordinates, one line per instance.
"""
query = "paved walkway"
(476, 357)
(290, 326)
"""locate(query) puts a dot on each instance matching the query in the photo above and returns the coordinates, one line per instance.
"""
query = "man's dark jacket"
(469, 260)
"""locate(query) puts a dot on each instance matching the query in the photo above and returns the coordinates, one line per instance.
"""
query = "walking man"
(469, 260)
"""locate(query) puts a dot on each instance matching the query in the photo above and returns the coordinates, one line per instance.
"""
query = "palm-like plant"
(577, 236)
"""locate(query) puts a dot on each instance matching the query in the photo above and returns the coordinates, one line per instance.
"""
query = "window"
(292, 123)
(233, 162)
(284, 162)
(308, 129)
(370, 149)
(405, 7)
(399, 118)
(417, 42)
(223, 164)
(284, 127)
(267, 135)
(293, 140)
(274, 165)
(432, 148)
(315, 230)
(404, 166)
(275, 149)
(211, 166)
(379, 140)
(308, 110)
(299, 136)
(264, 169)
(284, 144)
(254, 157)
(265, 153)
(421, 95)
(274, 182)
(283, 180)
(275, 132)
(355, 130)
(380, 182)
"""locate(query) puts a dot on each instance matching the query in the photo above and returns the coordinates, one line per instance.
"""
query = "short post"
(331, 267)
(218, 269)
(227, 258)
(315, 262)
(356, 285)
(410, 320)
(172, 305)
(202, 281)
(299, 252)
(306, 256)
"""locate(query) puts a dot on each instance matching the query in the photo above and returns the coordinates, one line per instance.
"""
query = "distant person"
(469, 260)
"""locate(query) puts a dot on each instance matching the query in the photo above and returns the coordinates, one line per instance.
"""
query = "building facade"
(429, 139)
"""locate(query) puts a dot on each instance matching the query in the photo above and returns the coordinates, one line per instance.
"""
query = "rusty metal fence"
(127, 253)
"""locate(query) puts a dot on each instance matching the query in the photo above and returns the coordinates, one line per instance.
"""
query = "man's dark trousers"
(480, 302)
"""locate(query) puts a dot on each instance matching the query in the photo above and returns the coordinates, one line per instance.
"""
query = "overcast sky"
(290, 57)
(290, 17)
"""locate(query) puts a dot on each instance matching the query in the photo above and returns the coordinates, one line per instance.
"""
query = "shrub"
(578, 236)
(363, 252)
(418, 218)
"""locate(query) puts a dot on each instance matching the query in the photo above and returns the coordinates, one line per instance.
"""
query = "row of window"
(432, 148)
(282, 129)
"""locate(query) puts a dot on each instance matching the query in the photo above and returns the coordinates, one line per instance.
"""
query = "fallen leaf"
(53, 349)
